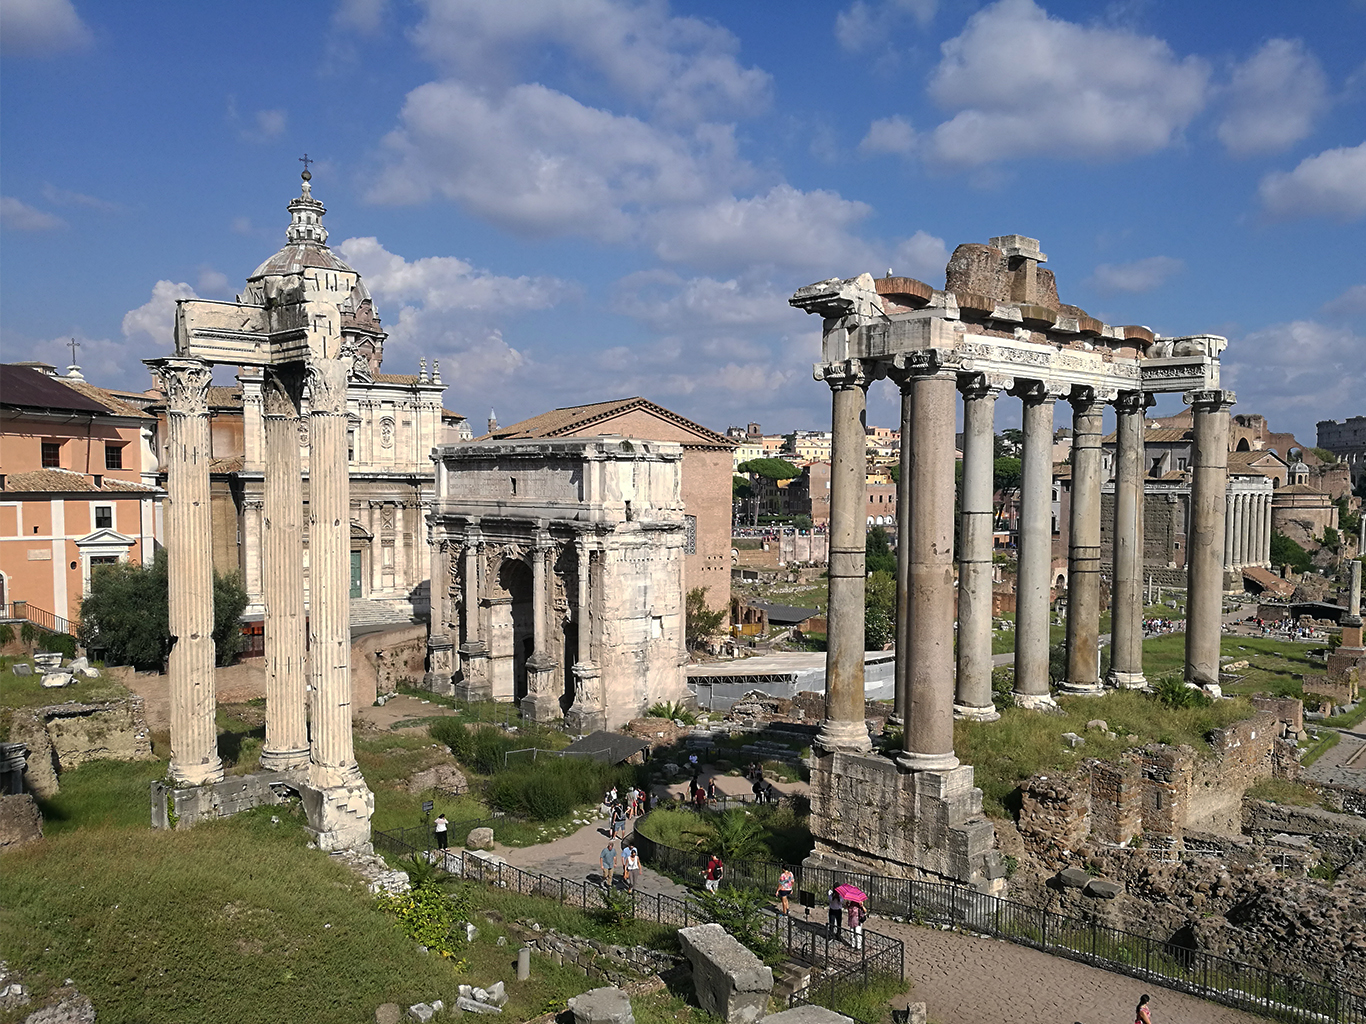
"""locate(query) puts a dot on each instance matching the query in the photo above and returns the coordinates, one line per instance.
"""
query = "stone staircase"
(790, 977)
(379, 613)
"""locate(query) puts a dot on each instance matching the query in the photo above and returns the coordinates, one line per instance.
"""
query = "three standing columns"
(1126, 588)
(286, 743)
(189, 549)
(1205, 542)
(1083, 550)
(845, 727)
(1033, 582)
(972, 699)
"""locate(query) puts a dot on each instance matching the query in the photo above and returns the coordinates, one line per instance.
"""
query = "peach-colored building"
(77, 486)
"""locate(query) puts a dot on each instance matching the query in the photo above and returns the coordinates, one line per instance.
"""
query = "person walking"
(711, 789)
(607, 860)
(441, 835)
(857, 915)
(834, 909)
(632, 869)
(785, 883)
(715, 869)
(1142, 1015)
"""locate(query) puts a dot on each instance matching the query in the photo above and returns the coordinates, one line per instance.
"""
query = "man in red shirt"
(714, 871)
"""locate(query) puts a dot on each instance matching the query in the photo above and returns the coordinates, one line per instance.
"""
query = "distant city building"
(1346, 440)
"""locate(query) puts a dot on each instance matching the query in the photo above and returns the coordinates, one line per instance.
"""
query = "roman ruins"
(301, 320)
(557, 576)
(996, 326)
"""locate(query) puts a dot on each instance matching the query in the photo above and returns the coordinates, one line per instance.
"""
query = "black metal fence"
(421, 839)
(1164, 961)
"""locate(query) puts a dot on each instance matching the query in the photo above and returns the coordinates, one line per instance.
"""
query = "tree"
(877, 552)
(740, 488)
(1285, 551)
(879, 610)
(772, 469)
(700, 621)
(1006, 473)
(126, 614)
(1008, 443)
(1325, 456)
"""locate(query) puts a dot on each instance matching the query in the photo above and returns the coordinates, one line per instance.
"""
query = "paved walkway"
(576, 857)
(963, 979)
(1345, 764)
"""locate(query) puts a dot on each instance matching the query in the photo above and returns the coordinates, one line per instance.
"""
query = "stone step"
(379, 613)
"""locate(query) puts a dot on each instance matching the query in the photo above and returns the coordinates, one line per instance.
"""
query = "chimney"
(493, 421)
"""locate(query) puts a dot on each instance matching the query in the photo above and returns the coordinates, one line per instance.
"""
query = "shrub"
(484, 748)
(672, 710)
(62, 643)
(6, 634)
(1003, 688)
(741, 912)
(428, 916)
(548, 789)
(1174, 693)
(699, 620)
(739, 836)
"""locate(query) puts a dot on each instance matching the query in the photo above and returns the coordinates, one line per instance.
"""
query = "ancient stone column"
(474, 683)
(587, 713)
(329, 484)
(904, 503)
(189, 549)
(1205, 543)
(973, 695)
(1033, 579)
(1083, 547)
(1228, 533)
(845, 726)
(1263, 529)
(541, 703)
(445, 599)
(286, 660)
(1126, 590)
(927, 740)
(1243, 527)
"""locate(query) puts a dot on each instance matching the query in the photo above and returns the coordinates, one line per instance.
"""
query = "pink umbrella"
(850, 893)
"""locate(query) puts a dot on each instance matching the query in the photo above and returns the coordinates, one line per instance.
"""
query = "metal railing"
(1282, 996)
(40, 617)
(419, 840)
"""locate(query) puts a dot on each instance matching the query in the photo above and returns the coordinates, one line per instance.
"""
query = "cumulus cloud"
(922, 256)
(1273, 98)
(19, 216)
(1352, 302)
(1135, 276)
(1331, 184)
(888, 135)
(213, 282)
(673, 304)
(681, 68)
(865, 24)
(41, 27)
(1298, 373)
(1091, 92)
(154, 321)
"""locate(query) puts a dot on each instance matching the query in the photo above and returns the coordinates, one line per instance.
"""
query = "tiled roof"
(59, 480)
(1268, 581)
(563, 422)
(231, 464)
(1160, 435)
(397, 378)
(1247, 460)
(108, 399)
(449, 415)
(22, 387)
(220, 397)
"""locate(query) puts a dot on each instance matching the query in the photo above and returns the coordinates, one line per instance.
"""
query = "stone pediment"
(105, 538)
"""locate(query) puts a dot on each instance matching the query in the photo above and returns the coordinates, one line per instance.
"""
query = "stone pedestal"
(587, 713)
(338, 813)
(474, 682)
(870, 814)
(440, 667)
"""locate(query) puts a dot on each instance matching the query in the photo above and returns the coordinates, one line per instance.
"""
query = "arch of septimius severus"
(301, 320)
(996, 327)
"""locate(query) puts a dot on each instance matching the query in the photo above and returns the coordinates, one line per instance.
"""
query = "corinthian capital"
(281, 391)
(185, 383)
(327, 385)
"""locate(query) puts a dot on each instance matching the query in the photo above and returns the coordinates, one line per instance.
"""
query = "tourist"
(834, 909)
(758, 788)
(632, 867)
(711, 789)
(441, 837)
(1142, 1015)
(858, 913)
(785, 882)
(632, 798)
(715, 869)
(700, 799)
(607, 860)
(619, 820)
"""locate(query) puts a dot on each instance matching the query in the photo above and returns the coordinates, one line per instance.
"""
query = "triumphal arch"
(997, 326)
(304, 320)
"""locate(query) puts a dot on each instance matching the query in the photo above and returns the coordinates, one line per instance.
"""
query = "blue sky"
(572, 200)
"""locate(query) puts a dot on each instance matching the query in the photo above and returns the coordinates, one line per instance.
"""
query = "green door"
(355, 574)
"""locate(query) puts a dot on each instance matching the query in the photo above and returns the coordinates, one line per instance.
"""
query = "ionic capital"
(1210, 401)
(1039, 392)
(842, 376)
(1134, 402)
(976, 386)
(185, 383)
(1084, 395)
(907, 367)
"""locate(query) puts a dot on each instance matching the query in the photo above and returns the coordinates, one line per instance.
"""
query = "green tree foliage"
(773, 469)
(1006, 473)
(1057, 663)
(1325, 456)
(429, 915)
(1285, 551)
(1008, 442)
(741, 912)
(879, 610)
(739, 836)
(700, 621)
(1349, 521)
(1331, 540)
(739, 487)
(878, 556)
(126, 614)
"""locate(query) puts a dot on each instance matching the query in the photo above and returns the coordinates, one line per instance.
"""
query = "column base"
(441, 683)
(205, 773)
(473, 682)
(585, 720)
(914, 762)
(847, 737)
(1127, 680)
(1090, 688)
(542, 703)
(971, 713)
(1035, 701)
(338, 815)
(284, 760)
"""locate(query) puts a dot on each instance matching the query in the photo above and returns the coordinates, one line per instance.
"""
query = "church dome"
(1299, 468)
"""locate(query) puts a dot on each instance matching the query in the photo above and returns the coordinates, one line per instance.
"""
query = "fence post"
(1043, 932)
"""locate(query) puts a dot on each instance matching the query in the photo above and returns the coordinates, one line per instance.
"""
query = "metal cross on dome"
(306, 160)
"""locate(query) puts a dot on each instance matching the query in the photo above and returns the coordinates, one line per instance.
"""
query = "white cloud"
(1352, 302)
(1135, 276)
(865, 24)
(1331, 184)
(684, 69)
(19, 216)
(922, 256)
(670, 303)
(889, 135)
(1274, 97)
(261, 126)
(154, 320)
(41, 27)
(65, 197)
(1298, 373)
(213, 282)
(363, 16)
(1026, 84)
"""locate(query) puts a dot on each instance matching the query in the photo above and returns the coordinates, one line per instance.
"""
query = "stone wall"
(64, 736)
(1340, 838)
(181, 808)
(380, 661)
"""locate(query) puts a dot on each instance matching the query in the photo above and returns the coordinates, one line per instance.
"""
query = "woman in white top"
(632, 868)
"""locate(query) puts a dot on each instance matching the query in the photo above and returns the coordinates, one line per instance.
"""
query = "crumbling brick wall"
(1055, 812)
(1116, 801)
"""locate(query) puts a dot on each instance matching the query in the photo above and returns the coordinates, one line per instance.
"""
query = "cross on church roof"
(306, 160)
(73, 344)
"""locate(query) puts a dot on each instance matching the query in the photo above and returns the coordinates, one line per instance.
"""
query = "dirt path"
(968, 980)
(576, 857)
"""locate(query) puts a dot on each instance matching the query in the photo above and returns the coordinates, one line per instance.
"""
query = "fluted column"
(1228, 533)
(333, 757)
(904, 500)
(1083, 547)
(927, 740)
(1262, 512)
(972, 698)
(1205, 543)
(1035, 565)
(541, 702)
(1126, 590)
(286, 660)
(1240, 530)
(1267, 500)
(189, 549)
(845, 726)
(587, 712)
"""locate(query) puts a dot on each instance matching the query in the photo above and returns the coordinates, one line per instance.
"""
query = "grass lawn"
(28, 692)
(1024, 743)
(1274, 666)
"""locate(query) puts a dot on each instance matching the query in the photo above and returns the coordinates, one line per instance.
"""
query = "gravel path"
(964, 979)
(576, 857)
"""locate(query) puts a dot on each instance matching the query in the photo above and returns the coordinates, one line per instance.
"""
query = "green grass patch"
(1274, 666)
(1025, 743)
(28, 692)
(865, 998)
(571, 920)
(1283, 791)
(1350, 719)
(102, 795)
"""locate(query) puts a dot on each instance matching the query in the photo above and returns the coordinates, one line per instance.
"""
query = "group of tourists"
(630, 865)
(1154, 627)
(851, 913)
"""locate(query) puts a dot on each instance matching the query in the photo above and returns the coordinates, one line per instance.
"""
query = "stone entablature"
(561, 568)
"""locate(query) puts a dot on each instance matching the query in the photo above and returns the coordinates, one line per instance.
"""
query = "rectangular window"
(104, 517)
(52, 454)
(113, 456)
